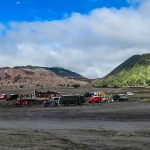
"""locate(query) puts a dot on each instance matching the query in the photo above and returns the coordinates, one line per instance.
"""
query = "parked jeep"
(95, 99)
(3, 96)
(119, 97)
(12, 97)
(21, 103)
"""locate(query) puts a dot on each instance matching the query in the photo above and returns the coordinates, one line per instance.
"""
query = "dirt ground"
(99, 126)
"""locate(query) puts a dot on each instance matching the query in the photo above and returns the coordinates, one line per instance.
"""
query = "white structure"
(130, 93)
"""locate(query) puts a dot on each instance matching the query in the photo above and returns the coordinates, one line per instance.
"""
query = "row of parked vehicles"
(91, 97)
(9, 97)
(102, 97)
(69, 99)
(116, 97)
(80, 99)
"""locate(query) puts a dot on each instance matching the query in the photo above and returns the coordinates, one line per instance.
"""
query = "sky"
(89, 37)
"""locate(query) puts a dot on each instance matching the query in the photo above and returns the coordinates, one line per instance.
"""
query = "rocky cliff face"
(30, 78)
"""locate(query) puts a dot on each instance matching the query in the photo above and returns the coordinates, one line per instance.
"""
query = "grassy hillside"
(135, 71)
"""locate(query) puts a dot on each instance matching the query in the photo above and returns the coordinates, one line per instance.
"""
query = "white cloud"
(18, 3)
(91, 45)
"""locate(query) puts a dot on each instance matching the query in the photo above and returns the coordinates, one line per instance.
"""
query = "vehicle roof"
(71, 95)
(95, 96)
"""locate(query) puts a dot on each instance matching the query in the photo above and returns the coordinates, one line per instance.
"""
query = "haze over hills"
(135, 71)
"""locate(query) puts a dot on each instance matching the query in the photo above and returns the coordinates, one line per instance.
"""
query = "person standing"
(58, 101)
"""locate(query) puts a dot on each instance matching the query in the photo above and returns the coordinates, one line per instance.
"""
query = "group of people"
(52, 101)
(26, 96)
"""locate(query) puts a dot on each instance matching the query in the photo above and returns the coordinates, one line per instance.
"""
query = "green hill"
(135, 71)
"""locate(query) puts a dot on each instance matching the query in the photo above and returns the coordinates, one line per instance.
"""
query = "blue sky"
(32, 10)
(90, 37)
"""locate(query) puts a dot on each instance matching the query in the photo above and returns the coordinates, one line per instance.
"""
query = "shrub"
(21, 86)
(76, 85)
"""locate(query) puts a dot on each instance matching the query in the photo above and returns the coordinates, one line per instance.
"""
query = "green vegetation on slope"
(27, 67)
(64, 72)
(135, 71)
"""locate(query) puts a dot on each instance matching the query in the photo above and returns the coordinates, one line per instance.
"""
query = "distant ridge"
(38, 78)
(135, 71)
(64, 72)
(58, 70)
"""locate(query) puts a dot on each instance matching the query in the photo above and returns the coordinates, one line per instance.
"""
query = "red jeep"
(21, 103)
(3, 96)
(95, 99)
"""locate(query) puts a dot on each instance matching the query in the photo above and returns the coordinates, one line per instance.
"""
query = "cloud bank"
(91, 45)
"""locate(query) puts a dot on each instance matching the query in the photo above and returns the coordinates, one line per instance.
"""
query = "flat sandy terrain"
(103, 126)
(99, 126)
